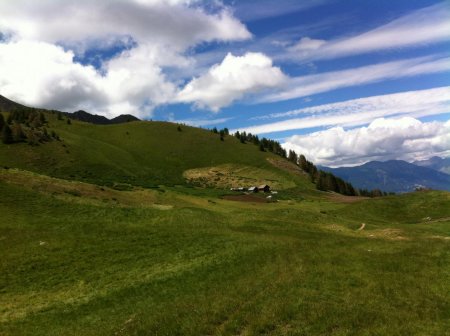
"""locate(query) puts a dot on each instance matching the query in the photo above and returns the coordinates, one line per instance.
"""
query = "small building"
(265, 188)
(253, 189)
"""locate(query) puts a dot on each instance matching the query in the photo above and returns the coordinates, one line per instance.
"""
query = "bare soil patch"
(345, 199)
(245, 198)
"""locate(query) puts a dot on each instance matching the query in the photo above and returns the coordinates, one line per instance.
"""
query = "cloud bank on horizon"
(341, 82)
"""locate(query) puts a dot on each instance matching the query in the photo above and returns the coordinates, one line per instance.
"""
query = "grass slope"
(79, 260)
(138, 153)
(87, 248)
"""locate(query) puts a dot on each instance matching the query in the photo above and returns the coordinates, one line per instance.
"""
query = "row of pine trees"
(327, 181)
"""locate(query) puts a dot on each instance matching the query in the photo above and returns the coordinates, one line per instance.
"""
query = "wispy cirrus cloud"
(323, 82)
(422, 27)
(251, 10)
(360, 111)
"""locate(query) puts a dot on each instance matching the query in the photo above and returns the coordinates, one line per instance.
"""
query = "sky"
(343, 82)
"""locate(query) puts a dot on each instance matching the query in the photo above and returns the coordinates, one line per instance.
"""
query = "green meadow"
(101, 234)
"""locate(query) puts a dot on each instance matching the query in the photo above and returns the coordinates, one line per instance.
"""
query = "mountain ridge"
(8, 105)
(392, 176)
(436, 163)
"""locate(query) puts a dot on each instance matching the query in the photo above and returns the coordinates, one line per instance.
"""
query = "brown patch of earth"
(245, 198)
(345, 199)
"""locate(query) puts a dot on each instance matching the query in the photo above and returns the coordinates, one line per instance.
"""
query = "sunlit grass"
(73, 264)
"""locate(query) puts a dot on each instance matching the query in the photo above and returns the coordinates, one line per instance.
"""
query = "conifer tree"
(320, 183)
(42, 118)
(261, 147)
(17, 132)
(2, 122)
(293, 156)
(7, 137)
(303, 163)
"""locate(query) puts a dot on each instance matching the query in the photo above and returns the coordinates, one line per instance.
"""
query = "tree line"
(264, 144)
(25, 125)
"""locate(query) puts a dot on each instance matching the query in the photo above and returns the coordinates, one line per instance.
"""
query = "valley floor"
(80, 259)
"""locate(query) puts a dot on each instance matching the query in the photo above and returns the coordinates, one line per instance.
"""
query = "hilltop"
(148, 153)
(100, 120)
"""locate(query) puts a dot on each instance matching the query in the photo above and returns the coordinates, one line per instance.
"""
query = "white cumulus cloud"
(180, 23)
(42, 74)
(383, 139)
(38, 65)
(231, 80)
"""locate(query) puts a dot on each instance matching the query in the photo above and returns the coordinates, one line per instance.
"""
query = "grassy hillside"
(138, 153)
(80, 259)
(127, 229)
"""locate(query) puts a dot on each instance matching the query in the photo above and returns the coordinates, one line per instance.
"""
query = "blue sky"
(343, 82)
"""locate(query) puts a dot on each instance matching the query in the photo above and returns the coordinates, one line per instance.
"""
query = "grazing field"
(83, 259)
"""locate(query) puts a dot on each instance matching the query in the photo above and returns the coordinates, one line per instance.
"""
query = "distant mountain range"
(436, 163)
(395, 175)
(8, 105)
